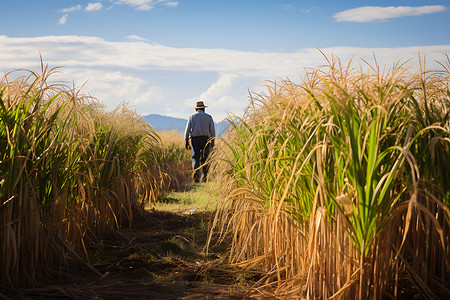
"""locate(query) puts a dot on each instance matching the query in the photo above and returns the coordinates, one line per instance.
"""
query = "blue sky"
(163, 55)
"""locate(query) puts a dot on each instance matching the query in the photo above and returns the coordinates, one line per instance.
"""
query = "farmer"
(200, 129)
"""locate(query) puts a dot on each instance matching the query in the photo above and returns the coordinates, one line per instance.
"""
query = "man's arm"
(212, 128)
(187, 132)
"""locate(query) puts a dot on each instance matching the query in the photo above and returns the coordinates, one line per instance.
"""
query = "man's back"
(200, 124)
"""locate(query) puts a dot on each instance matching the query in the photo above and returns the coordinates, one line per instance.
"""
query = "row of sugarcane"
(338, 187)
(69, 171)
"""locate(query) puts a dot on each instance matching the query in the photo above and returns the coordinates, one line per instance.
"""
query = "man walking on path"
(200, 129)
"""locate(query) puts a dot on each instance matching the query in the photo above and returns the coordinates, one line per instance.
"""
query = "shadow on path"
(160, 257)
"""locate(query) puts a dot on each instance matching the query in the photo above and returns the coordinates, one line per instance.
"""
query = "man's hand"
(187, 146)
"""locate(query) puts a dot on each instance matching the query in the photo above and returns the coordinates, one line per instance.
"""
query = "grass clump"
(338, 186)
(69, 169)
(197, 197)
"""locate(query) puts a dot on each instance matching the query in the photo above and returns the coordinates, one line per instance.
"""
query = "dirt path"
(160, 257)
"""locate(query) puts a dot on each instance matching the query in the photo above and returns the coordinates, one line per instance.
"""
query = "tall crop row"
(339, 186)
(68, 169)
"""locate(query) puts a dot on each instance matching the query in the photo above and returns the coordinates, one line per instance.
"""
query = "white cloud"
(93, 6)
(70, 9)
(146, 4)
(376, 13)
(222, 87)
(136, 38)
(138, 4)
(88, 51)
(90, 7)
(63, 19)
(144, 7)
(118, 71)
(225, 96)
(152, 95)
(172, 3)
(115, 87)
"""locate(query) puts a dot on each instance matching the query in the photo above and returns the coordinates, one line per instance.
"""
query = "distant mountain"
(163, 123)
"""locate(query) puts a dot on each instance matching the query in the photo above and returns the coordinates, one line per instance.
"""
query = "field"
(160, 256)
(70, 171)
(339, 186)
(336, 187)
(96, 204)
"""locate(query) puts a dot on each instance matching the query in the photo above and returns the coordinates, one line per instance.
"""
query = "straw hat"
(200, 105)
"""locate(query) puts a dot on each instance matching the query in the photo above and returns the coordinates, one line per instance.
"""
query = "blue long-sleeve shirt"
(200, 124)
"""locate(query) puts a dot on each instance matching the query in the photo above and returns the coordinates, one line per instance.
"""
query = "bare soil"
(161, 256)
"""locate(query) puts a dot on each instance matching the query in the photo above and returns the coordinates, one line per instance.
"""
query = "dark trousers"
(200, 152)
